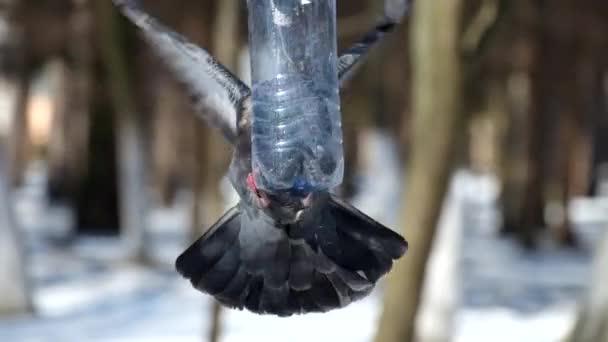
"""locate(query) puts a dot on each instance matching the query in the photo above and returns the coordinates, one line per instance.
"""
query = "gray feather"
(349, 60)
(217, 94)
(354, 281)
(301, 270)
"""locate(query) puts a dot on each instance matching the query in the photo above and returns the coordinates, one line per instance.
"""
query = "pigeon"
(272, 253)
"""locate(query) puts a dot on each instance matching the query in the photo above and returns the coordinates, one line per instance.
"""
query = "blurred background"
(479, 130)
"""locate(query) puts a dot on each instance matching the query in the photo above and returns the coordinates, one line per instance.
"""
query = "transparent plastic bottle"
(296, 127)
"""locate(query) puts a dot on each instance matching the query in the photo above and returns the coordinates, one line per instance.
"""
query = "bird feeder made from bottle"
(296, 127)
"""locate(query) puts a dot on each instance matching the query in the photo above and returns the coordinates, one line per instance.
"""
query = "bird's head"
(285, 206)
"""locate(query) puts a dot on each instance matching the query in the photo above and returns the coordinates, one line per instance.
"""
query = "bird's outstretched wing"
(394, 10)
(218, 95)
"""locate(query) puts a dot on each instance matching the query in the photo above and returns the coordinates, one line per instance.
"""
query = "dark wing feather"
(363, 228)
(394, 10)
(217, 94)
(215, 247)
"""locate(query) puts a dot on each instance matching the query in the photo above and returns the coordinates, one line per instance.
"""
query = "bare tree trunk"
(14, 287)
(16, 298)
(169, 125)
(396, 82)
(132, 185)
(563, 79)
(532, 219)
(599, 172)
(129, 133)
(19, 142)
(512, 163)
(487, 130)
(173, 148)
(523, 163)
(359, 101)
(437, 118)
(16, 70)
(96, 198)
(67, 150)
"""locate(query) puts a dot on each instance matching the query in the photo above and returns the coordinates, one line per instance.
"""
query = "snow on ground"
(511, 294)
(84, 292)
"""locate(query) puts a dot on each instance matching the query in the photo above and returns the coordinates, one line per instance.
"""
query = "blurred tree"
(30, 52)
(595, 24)
(17, 71)
(437, 118)
(359, 100)
(16, 297)
(67, 150)
(548, 145)
(173, 147)
(96, 197)
(19, 142)
(171, 124)
(599, 170)
(485, 101)
(514, 71)
(81, 126)
(555, 119)
(524, 159)
(395, 86)
(600, 125)
(118, 58)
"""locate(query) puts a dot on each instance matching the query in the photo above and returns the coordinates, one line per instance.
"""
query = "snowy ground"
(84, 292)
(510, 294)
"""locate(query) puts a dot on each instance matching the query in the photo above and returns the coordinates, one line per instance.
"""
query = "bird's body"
(272, 253)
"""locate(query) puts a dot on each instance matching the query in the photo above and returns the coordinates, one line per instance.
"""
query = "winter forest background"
(479, 130)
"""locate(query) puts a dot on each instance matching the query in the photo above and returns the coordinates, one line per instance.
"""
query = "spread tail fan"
(320, 264)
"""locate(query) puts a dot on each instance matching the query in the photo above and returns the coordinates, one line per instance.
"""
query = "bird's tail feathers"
(315, 267)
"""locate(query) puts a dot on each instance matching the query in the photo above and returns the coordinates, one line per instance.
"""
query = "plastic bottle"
(296, 127)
